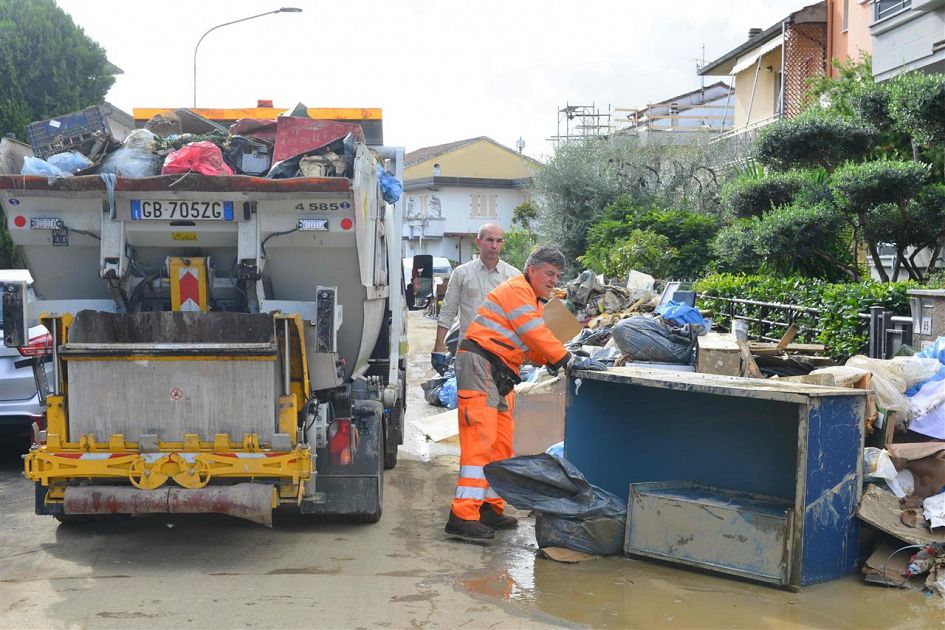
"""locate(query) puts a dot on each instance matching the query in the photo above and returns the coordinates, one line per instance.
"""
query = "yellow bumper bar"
(148, 471)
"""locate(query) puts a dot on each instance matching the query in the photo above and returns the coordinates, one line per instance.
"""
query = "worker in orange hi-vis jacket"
(508, 329)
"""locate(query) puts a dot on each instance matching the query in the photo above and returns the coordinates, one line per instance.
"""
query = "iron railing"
(764, 318)
(887, 332)
(885, 8)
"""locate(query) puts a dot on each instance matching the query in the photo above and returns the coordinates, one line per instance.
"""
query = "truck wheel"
(373, 514)
(390, 446)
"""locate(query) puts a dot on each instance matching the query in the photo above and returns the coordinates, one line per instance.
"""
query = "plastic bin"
(64, 133)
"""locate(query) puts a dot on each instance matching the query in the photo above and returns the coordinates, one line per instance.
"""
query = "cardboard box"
(539, 415)
(562, 323)
(718, 354)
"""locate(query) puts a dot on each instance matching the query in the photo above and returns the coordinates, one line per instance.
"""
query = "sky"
(441, 70)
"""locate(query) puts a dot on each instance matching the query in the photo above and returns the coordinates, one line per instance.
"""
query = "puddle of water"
(618, 592)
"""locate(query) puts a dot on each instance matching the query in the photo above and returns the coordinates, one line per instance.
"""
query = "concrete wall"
(903, 42)
(481, 158)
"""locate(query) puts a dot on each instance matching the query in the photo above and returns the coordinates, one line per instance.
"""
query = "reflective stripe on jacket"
(510, 324)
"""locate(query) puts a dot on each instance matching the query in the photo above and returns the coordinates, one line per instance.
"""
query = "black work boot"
(488, 516)
(470, 530)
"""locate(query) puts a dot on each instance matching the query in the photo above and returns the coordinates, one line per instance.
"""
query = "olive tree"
(584, 177)
(811, 141)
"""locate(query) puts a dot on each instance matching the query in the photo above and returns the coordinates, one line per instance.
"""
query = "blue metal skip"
(794, 442)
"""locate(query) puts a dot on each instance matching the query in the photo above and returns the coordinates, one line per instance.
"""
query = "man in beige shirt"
(469, 285)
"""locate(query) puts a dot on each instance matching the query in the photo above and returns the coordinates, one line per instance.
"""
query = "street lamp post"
(252, 17)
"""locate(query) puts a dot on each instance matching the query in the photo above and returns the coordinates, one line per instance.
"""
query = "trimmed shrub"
(753, 196)
(857, 187)
(811, 141)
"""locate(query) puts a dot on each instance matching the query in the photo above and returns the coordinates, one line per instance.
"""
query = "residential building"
(682, 118)
(907, 35)
(848, 31)
(452, 189)
(770, 70)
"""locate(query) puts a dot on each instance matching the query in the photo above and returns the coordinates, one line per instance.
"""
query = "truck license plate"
(174, 210)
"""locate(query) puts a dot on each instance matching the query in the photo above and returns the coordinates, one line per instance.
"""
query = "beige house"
(771, 68)
(452, 189)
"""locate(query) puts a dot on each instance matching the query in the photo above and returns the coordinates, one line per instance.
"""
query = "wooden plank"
(788, 337)
(439, 427)
(749, 367)
(769, 349)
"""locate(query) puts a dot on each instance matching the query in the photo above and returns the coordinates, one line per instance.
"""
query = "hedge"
(841, 330)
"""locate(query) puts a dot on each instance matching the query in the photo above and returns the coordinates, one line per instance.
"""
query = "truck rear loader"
(219, 344)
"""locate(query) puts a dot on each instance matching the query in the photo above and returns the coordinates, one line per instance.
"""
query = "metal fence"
(767, 321)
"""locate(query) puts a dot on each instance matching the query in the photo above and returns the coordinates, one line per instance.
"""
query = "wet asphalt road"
(216, 572)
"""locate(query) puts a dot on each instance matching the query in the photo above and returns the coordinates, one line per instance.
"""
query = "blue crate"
(63, 133)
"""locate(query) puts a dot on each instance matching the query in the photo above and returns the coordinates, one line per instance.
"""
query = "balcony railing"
(884, 8)
(734, 147)
(424, 227)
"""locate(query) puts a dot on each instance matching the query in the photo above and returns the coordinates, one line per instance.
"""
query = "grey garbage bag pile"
(649, 339)
(572, 513)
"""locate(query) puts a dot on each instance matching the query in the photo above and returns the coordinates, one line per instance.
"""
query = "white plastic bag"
(878, 464)
(140, 139)
(69, 161)
(887, 387)
(35, 166)
(934, 510)
(916, 369)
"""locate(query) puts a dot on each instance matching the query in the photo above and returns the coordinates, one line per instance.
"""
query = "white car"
(20, 403)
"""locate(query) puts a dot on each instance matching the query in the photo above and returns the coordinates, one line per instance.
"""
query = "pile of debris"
(182, 141)
(634, 323)
(596, 303)
(905, 500)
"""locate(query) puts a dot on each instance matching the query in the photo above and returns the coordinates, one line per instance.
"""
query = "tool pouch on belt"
(505, 379)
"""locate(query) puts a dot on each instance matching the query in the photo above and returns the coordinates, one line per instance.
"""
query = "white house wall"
(458, 224)
(904, 42)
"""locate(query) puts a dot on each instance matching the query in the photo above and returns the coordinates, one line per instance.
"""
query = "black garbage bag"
(589, 337)
(601, 535)
(650, 339)
(431, 389)
(572, 513)
(784, 366)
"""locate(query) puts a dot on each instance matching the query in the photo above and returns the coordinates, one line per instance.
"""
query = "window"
(845, 22)
(482, 205)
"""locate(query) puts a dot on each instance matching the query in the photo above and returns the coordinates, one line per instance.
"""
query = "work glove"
(553, 368)
(440, 362)
(584, 363)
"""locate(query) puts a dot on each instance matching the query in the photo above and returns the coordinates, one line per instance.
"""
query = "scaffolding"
(581, 122)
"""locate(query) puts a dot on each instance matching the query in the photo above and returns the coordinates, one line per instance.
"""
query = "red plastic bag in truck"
(198, 157)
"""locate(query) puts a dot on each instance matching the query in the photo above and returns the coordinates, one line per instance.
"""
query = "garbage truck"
(219, 344)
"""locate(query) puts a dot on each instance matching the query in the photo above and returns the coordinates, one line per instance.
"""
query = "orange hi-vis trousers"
(485, 434)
